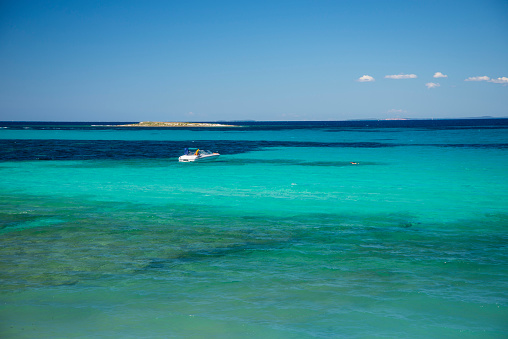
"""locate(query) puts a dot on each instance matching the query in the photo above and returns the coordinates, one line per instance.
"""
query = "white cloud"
(502, 80)
(401, 76)
(481, 78)
(432, 85)
(440, 75)
(366, 78)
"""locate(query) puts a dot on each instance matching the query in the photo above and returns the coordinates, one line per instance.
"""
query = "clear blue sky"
(261, 60)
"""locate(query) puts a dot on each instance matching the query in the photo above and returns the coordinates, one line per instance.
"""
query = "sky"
(252, 60)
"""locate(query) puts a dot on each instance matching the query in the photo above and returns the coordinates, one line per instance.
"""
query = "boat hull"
(199, 158)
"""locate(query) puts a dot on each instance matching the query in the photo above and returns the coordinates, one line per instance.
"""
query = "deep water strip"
(53, 149)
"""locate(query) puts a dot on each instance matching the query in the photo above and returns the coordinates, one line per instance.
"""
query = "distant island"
(174, 124)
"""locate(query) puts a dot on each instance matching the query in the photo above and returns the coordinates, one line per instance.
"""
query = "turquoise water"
(293, 233)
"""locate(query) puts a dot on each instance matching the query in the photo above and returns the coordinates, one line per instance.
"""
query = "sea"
(331, 229)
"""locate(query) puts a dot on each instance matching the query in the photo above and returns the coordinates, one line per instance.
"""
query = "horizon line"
(251, 120)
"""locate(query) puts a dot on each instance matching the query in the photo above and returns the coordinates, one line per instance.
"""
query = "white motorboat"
(196, 154)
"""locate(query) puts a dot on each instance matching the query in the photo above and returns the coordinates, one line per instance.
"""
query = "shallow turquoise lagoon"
(292, 233)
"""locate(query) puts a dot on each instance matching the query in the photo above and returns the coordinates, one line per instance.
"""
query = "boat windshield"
(195, 151)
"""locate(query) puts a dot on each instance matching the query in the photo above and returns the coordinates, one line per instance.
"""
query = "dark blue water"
(438, 123)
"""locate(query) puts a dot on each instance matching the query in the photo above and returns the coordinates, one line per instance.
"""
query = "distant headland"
(175, 124)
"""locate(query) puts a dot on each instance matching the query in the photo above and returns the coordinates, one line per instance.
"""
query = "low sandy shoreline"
(174, 124)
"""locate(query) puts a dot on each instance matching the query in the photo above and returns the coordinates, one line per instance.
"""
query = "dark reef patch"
(20, 149)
